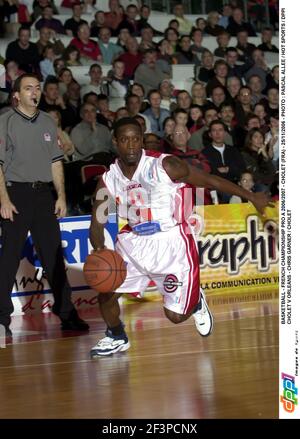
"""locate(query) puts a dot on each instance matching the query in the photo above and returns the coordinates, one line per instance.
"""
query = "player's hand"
(7, 210)
(60, 208)
(261, 200)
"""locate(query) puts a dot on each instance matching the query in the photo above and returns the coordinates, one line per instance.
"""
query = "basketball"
(104, 270)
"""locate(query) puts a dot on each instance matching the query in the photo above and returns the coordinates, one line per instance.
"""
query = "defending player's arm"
(181, 171)
(99, 215)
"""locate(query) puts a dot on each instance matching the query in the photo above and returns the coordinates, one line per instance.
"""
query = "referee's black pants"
(36, 213)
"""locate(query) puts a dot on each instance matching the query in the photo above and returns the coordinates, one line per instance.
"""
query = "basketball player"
(157, 244)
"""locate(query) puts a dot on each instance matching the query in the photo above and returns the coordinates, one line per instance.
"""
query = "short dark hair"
(217, 122)
(126, 121)
(17, 83)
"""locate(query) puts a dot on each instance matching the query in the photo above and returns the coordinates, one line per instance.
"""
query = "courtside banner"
(238, 249)
(238, 254)
(31, 293)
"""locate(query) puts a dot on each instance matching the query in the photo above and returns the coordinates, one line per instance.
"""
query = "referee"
(30, 163)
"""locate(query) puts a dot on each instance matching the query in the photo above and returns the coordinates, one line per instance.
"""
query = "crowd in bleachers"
(118, 63)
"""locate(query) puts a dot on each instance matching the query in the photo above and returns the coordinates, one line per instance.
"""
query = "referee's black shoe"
(8, 332)
(74, 323)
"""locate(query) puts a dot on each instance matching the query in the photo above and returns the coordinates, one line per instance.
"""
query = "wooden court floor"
(170, 372)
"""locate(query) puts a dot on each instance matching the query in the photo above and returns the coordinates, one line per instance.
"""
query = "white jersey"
(150, 201)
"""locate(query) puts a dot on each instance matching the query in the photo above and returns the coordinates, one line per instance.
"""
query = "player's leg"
(116, 339)
(180, 286)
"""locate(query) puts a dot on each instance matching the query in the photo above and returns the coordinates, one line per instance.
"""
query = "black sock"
(117, 330)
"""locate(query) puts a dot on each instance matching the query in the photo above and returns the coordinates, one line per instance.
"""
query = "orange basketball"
(104, 270)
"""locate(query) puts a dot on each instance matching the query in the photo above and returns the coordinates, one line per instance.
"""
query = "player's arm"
(99, 215)
(180, 171)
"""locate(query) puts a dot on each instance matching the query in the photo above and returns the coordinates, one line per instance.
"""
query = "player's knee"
(174, 317)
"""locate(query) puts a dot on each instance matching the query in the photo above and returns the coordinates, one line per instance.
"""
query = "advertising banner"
(238, 253)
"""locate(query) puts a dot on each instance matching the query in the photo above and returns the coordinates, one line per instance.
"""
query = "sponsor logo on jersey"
(171, 283)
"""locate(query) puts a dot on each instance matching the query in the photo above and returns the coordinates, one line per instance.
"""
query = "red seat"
(90, 171)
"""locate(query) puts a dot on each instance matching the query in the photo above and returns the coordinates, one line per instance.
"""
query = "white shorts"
(170, 259)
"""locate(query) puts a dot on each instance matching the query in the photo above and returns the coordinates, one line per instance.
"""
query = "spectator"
(184, 54)
(212, 26)
(259, 68)
(64, 140)
(46, 65)
(272, 79)
(255, 84)
(234, 68)
(130, 22)
(104, 111)
(89, 50)
(172, 36)
(23, 52)
(266, 41)
(132, 58)
(109, 50)
(260, 112)
(197, 38)
(98, 23)
(166, 89)
(223, 42)
(114, 17)
(199, 94)
(71, 56)
(233, 86)
(272, 141)
(143, 22)
(246, 181)
(133, 106)
(236, 23)
(165, 51)
(152, 142)
(119, 83)
(147, 39)
(123, 37)
(184, 100)
(48, 21)
(181, 117)
(185, 25)
(12, 72)
(219, 80)
(150, 74)
(65, 77)
(272, 102)
(224, 18)
(244, 48)
(244, 105)
(206, 71)
(89, 137)
(39, 5)
(196, 118)
(197, 140)
(71, 25)
(225, 161)
(258, 159)
(46, 35)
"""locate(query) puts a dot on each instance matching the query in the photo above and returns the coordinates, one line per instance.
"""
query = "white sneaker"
(110, 344)
(203, 318)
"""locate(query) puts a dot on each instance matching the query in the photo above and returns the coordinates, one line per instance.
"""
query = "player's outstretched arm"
(99, 215)
(179, 170)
